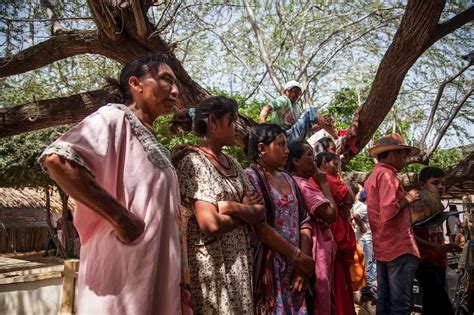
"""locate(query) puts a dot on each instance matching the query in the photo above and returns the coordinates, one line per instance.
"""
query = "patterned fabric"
(65, 151)
(287, 223)
(156, 152)
(220, 268)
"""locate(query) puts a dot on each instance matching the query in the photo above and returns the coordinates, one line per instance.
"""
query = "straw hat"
(391, 142)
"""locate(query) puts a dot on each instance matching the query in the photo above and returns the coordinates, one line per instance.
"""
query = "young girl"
(343, 233)
(281, 280)
(320, 205)
(212, 188)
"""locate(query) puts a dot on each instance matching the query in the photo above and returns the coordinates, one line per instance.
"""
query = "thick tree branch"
(139, 18)
(68, 44)
(48, 113)
(453, 24)
(117, 38)
(418, 30)
(104, 19)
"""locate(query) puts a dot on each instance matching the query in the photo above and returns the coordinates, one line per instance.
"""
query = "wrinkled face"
(159, 95)
(305, 165)
(293, 94)
(225, 130)
(436, 183)
(275, 153)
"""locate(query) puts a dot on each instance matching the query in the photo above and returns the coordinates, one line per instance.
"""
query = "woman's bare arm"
(82, 187)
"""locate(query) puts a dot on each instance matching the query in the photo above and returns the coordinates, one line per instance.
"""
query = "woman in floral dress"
(212, 186)
(267, 148)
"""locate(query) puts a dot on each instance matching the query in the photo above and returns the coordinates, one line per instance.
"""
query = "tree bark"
(49, 113)
(68, 44)
(117, 38)
(418, 30)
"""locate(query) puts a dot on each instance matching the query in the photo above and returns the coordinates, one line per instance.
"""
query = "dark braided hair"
(217, 105)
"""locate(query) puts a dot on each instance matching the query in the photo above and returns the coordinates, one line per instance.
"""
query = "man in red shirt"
(393, 240)
(431, 272)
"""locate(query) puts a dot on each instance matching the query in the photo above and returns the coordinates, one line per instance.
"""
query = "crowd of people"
(194, 232)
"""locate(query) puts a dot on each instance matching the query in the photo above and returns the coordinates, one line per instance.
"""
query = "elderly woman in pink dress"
(128, 207)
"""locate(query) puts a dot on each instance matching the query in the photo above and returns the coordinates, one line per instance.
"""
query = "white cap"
(292, 84)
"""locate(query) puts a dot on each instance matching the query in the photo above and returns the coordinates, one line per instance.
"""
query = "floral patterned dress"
(287, 222)
(220, 267)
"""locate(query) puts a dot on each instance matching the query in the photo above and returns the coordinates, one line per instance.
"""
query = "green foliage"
(18, 158)
(442, 158)
(164, 136)
(446, 158)
(362, 162)
(343, 107)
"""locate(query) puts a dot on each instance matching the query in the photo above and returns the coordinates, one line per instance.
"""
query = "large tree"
(125, 29)
(419, 29)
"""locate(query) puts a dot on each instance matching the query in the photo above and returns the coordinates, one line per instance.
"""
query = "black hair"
(383, 155)
(216, 105)
(119, 90)
(325, 156)
(430, 172)
(296, 151)
(353, 186)
(325, 143)
(262, 133)
(69, 215)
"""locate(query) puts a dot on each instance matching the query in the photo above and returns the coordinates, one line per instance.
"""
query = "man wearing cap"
(284, 112)
(393, 239)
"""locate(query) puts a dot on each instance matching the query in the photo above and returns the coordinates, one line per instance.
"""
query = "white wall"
(38, 297)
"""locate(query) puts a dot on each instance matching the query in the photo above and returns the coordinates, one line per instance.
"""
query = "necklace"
(216, 159)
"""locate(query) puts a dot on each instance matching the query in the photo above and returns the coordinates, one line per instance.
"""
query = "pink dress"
(127, 161)
(324, 250)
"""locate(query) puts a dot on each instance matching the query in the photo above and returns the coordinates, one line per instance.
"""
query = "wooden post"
(71, 268)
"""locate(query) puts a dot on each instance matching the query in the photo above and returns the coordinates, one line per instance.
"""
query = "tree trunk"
(117, 37)
(418, 30)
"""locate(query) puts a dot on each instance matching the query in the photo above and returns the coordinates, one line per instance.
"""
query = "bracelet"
(296, 254)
